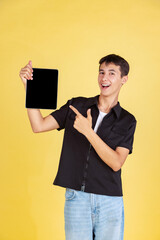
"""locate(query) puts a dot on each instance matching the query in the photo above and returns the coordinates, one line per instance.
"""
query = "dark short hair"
(117, 60)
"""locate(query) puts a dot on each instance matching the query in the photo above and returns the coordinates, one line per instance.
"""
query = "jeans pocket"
(70, 194)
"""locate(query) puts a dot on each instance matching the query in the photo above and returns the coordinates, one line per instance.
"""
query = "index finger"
(75, 110)
(28, 67)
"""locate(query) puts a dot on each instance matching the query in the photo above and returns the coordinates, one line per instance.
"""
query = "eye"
(101, 72)
(112, 73)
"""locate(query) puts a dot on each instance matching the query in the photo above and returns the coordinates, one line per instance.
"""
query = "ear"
(124, 79)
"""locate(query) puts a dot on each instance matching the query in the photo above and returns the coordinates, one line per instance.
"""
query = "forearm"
(35, 118)
(107, 154)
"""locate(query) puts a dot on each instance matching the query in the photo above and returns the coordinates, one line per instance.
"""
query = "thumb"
(89, 114)
(30, 62)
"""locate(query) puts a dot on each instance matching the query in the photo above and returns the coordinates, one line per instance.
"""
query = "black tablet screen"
(41, 92)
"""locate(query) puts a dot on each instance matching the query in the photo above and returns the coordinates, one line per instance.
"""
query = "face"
(110, 80)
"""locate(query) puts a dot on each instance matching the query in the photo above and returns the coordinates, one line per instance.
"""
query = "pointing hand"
(81, 123)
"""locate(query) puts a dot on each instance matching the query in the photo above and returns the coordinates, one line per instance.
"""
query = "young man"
(98, 137)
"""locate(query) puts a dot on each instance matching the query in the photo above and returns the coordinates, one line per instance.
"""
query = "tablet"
(41, 92)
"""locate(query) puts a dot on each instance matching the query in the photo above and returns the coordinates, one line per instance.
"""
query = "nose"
(104, 77)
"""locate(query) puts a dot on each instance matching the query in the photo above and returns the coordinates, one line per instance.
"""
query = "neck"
(105, 104)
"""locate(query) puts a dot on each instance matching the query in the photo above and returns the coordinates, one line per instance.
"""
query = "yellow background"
(72, 36)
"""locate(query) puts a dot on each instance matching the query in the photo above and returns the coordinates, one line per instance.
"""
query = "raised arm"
(40, 123)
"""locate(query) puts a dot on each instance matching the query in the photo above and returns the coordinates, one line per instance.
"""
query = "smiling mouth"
(105, 86)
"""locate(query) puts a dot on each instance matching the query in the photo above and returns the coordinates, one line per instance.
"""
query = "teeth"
(105, 85)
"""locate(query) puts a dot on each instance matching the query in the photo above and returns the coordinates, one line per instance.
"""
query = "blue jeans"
(91, 216)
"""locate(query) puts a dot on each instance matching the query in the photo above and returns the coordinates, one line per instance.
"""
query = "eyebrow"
(108, 70)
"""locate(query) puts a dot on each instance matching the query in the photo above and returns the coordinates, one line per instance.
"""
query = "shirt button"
(82, 188)
(86, 165)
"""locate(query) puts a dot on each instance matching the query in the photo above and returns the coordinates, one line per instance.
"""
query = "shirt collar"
(94, 101)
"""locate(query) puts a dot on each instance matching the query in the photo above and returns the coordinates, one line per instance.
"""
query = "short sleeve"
(128, 140)
(61, 115)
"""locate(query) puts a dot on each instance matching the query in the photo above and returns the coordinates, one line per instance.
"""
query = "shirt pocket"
(72, 115)
(82, 111)
(116, 135)
(70, 121)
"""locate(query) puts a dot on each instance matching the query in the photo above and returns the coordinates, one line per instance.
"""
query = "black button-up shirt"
(80, 167)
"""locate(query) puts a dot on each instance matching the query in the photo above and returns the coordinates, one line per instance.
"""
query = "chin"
(104, 94)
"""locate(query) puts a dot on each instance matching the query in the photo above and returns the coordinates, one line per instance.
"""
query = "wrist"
(89, 133)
